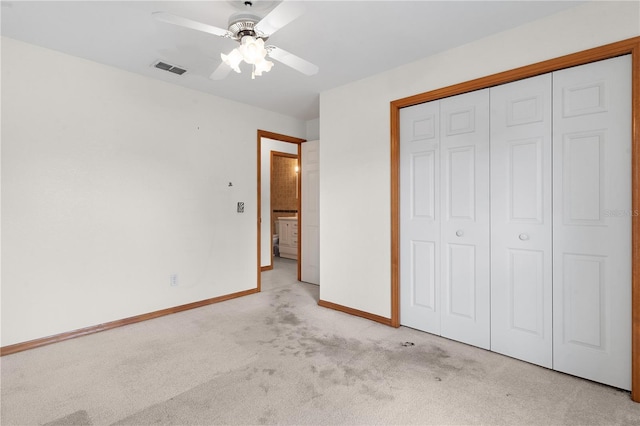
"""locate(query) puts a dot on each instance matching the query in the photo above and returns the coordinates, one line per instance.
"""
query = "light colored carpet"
(277, 358)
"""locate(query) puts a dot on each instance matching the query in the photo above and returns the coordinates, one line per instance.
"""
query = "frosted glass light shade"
(252, 49)
(233, 59)
(262, 66)
(253, 52)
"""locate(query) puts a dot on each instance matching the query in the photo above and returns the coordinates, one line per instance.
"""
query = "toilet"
(275, 242)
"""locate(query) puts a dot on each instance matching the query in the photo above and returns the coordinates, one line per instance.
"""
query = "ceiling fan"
(251, 32)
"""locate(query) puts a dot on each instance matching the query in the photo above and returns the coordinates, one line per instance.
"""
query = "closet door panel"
(461, 282)
(521, 225)
(465, 218)
(592, 221)
(420, 217)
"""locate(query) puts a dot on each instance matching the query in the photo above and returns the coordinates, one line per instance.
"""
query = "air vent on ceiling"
(169, 67)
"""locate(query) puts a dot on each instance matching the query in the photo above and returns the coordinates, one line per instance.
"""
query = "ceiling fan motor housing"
(243, 24)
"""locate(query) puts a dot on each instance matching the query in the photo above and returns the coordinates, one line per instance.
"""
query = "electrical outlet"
(173, 280)
(240, 207)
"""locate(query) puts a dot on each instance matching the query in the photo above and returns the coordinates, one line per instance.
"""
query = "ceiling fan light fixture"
(262, 66)
(251, 31)
(233, 59)
(252, 49)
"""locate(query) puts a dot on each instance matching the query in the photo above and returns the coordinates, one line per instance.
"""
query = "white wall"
(313, 129)
(355, 180)
(111, 182)
(266, 146)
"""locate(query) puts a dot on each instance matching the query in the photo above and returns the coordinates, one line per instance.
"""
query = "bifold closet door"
(521, 259)
(592, 221)
(444, 219)
(546, 277)
(420, 217)
(464, 200)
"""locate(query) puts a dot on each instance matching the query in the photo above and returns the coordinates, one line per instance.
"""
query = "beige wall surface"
(112, 183)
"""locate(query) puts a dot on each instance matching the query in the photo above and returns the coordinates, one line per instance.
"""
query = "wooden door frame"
(285, 155)
(281, 138)
(624, 47)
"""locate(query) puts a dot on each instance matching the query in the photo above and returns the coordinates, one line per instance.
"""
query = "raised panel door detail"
(526, 291)
(465, 292)
(584, 99)
(544, 213)
(423, 168)
(310, 215)
(521, 234)
(461, 280)
(313, 203)
(526, 184)
(525, 110)
(583, 161)
(311, 262)
(591, 249)
(423, 274)
(424, 128)
(313, 156)
(583, 300)
(420, 217)
(461, 183)
(460, 121)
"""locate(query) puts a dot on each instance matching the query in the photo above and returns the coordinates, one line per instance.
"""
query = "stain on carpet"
(80, 418)
(429, 356)
(216, 401)
(376, 394)
(326, 373)
(267, 417)
(289, 318)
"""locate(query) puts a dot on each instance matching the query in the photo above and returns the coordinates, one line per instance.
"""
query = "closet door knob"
(459, 232)
(523, 237)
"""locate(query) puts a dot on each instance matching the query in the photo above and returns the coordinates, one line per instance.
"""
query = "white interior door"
(310, 249)
(592, 221)
(420, 217)
(521, 273)
(464, 197)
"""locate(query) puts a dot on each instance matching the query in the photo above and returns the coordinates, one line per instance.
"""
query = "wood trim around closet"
(624, 47)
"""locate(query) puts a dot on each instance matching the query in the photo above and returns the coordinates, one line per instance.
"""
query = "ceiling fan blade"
(221, 72)
(188, 23)
(293, 61)
(283, 13)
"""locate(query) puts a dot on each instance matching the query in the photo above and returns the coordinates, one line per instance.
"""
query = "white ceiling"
(348, 40)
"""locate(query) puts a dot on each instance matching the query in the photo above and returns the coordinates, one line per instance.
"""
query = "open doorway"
(283, 221)
(279, 194)
(284, 197)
